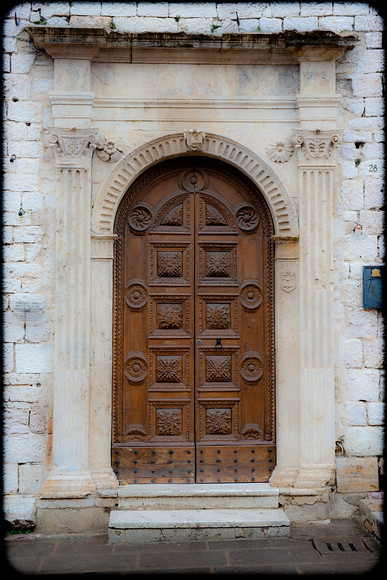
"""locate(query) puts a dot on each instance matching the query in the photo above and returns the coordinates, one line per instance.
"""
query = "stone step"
(134, 526)
(197, 496)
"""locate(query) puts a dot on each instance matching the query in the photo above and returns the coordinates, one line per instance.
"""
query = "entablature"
(104, 45)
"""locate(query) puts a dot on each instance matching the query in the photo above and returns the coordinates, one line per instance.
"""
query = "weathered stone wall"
(30, 215)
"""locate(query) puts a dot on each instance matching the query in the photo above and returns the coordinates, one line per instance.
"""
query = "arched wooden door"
(193, 328)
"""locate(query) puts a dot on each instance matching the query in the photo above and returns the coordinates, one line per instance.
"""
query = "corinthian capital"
(317, 145)
(70, 145)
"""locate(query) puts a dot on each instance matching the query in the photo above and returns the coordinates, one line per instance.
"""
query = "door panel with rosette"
(193, 328)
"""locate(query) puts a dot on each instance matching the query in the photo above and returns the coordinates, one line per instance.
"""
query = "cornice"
(104, 45)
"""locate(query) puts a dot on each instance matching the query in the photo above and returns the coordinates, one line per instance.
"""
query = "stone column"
(69, 473)
(316, 140)
(316, 345)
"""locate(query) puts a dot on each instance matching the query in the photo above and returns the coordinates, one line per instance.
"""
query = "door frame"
(286, 304)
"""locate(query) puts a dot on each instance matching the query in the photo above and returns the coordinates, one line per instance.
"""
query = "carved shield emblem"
(288, 281)
(194, 139)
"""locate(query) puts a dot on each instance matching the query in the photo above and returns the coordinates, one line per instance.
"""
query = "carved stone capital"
(317, 146)
(70, 145)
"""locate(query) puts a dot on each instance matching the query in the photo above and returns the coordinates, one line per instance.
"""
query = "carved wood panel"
(193, 327)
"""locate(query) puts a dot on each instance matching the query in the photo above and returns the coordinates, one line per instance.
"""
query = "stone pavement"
(342, 547)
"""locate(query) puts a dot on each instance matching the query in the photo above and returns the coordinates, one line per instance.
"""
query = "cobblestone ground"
(343, 547)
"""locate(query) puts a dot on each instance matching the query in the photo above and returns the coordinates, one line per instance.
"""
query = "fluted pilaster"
(72, 149)
(316, 358)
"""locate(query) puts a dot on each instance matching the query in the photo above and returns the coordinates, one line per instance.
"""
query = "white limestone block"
(363, 440)
(353, 413)
(19, 509)
(34, 358)
(375, 411)
(363, 384)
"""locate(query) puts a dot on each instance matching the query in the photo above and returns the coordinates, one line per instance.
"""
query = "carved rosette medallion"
(218, 421)
(218, 264)
(193, 180)
(169, 264)
(109, 148)
(140, 219)
(136, 294)
(251, 367)
(168, 422)
(218, 316)
(250, 295)
(247, 218)
(168, 369)
(135, 367)
(218, 369)
(280, 151)
(169, 316)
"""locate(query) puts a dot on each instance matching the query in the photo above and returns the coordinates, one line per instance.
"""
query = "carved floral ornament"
(315, 144)
(109, 148)
(280, 151)
(74, 144)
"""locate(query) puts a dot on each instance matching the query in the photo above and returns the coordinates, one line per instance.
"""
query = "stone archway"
(286, 303)
(131, 166)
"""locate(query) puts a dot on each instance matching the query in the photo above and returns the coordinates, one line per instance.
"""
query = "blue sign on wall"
(373, 287)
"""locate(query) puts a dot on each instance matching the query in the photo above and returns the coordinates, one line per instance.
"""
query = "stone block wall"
(30, 202)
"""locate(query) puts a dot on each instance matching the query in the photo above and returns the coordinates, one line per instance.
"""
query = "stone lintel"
(99, 44)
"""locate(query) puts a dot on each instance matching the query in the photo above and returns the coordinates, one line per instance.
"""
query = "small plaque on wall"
(28, 306)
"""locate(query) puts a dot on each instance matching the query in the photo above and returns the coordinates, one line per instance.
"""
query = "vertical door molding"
(287, 364)
(70, 466)
(101, 322)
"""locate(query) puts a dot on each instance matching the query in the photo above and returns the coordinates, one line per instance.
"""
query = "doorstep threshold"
(196, 518)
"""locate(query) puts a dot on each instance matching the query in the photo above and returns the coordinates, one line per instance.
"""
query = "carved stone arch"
(169, 146)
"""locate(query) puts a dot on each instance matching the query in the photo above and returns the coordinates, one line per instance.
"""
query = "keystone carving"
(194, 139)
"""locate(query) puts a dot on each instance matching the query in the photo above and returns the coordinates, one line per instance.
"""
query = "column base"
(284, 476)
(104, 478)
(67, 484)
(315, 477)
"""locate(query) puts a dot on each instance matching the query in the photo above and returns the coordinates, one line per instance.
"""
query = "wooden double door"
(193, 328)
